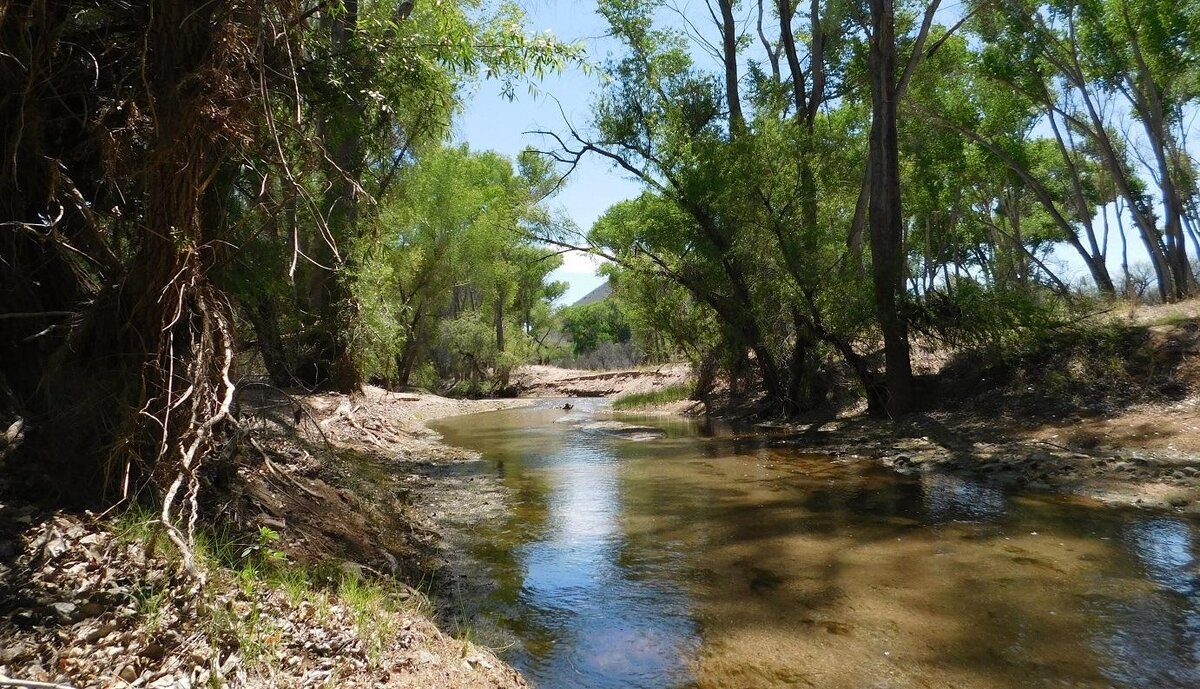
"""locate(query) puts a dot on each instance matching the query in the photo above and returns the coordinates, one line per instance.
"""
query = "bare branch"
(918, 51)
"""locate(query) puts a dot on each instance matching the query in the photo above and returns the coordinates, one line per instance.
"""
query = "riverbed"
(664, 552)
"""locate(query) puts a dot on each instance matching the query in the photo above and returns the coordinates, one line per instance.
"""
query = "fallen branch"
(274, 469)
(346, 410)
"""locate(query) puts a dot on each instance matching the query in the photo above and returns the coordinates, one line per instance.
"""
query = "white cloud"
(579, 262)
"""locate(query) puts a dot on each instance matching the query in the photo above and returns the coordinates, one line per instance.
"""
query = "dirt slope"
(89, 601)
(552, 381)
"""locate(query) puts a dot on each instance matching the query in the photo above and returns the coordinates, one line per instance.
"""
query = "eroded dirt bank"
(1158, 466)
(1123, 427)
(101, 601)
(552, 381)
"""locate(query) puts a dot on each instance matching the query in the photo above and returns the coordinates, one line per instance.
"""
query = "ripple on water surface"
(676, 557)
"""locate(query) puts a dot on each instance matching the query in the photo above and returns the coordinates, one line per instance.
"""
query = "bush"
(974, 316)
(607, 356)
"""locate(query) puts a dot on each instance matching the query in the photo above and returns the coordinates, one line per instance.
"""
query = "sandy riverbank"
(1157, 470)
(101, 601)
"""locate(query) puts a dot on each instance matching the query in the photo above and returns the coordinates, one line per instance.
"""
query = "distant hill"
(599, 294)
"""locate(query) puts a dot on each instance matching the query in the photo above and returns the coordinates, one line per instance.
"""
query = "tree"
(453, 244)
(591, 325)
(380, 92)
(1069, 59)
(1142, 51)
(885, 222)
(146, 143)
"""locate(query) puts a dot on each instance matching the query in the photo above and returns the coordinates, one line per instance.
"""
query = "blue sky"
(493, 122)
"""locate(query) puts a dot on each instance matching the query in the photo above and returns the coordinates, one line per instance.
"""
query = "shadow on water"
(693, 557)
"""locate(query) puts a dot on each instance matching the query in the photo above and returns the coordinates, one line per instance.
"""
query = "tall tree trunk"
(263, 315)
(329, 292)
(1118, 212)
(406, 362)
(1142, 216)
(498, 319)
(1093, 256)
(787, 8)
(1096, 267)
(886, 224)
(807, 385)
(1148, 103)
(502, 371)
(1172, 202)
(737, 121)
(143, 383)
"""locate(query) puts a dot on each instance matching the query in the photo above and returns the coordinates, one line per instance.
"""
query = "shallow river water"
(691, 558)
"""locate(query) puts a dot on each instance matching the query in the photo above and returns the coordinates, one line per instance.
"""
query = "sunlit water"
(707, 560)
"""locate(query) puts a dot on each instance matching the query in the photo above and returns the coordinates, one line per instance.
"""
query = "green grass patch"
(248, 565)
(639, 400)
(1177, 319)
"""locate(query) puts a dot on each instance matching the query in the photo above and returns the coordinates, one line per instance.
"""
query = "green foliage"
(470, 344)
(591, 325)
(738, 244)
(746, 249)
(452, 277)
(332, 163)
(1001, 320)
(665, 323)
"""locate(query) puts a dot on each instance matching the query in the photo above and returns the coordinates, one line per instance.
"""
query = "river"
(684, 555)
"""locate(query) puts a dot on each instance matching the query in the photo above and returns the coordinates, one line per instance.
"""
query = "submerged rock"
(624, 430)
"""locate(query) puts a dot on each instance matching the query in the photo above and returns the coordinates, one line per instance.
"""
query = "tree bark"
(1093, 256)
(737, 121)
(264, 316)
(1148, 103)
(885, 222)
(142, 387)
(329, 293)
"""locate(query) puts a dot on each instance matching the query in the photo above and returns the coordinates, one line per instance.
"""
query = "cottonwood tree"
(451, 277)
(160, 156)
(1077, 60)
(118, 120)
(750, 204)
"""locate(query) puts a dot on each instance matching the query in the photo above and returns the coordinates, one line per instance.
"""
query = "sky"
(492, 122)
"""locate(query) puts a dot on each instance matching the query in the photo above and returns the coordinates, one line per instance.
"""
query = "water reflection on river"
(702, 560)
